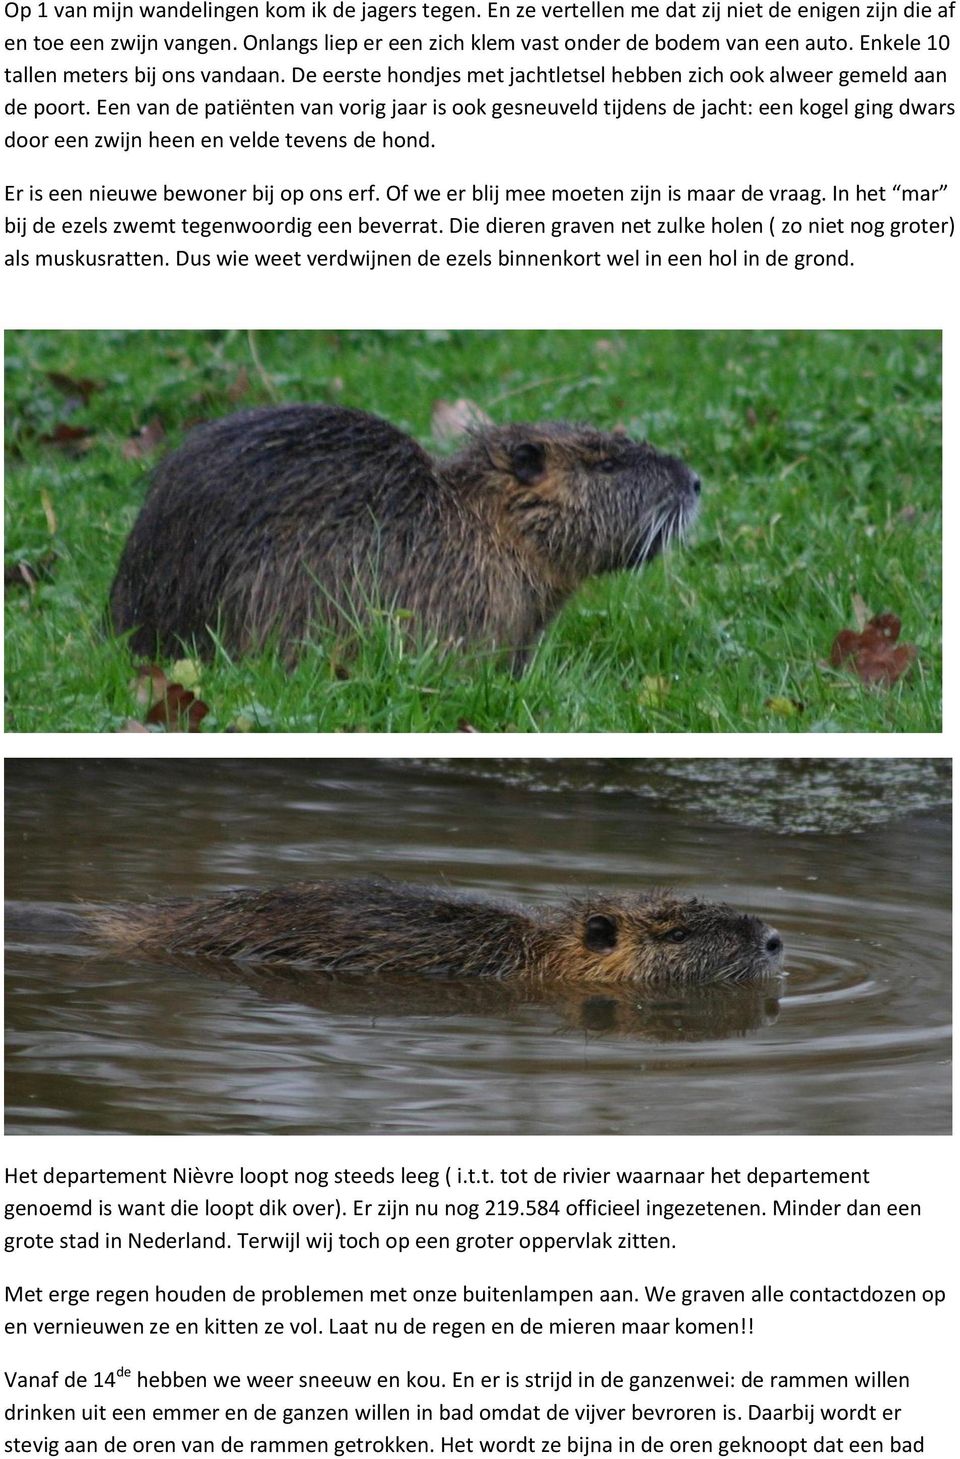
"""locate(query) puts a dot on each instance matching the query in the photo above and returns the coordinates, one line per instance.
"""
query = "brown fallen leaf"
(886, 665)
(887, 625)
(72, 440)
(179, 711)
(73, 388)
(168, 703)
(874, 653)
(149, 685)
(145, 442)
(23, 574)
(464, 727)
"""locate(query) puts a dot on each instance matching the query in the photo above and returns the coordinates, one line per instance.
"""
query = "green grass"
(819, 452)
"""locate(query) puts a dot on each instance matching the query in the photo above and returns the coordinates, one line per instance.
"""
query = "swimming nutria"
(369, 927)
(664, 1011)
(267, 520)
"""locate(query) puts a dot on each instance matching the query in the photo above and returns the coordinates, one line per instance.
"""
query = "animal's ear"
(527, 461)
(600, 933)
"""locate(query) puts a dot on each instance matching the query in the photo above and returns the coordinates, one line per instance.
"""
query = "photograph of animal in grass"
(499, 531)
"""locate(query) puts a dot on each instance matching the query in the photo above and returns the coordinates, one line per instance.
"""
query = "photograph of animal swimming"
(270, 521)
(370, 927)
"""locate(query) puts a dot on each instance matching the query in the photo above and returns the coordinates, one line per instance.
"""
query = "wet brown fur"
(370, 928)
(270, 520)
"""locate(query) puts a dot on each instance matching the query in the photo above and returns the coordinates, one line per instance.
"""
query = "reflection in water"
(853, 1041)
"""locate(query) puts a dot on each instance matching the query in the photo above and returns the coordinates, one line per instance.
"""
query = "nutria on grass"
(370, 927)
(271, 520)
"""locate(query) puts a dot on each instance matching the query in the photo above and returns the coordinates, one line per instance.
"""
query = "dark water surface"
(849, 860)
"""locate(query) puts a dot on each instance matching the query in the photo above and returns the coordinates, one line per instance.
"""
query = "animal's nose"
(774, 944)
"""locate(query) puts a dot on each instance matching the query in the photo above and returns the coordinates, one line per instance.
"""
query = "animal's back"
(359, 926)
(257, 515)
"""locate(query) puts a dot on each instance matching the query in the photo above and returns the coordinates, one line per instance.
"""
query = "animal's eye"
(677, 935)
(608, 465)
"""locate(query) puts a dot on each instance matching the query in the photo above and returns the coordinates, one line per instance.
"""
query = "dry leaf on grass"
(179, 711)
(24, 574)
(186, 672)
(861, 613)
(149, 685)
(71, 440)
(77, 390)
(145, 442)
(780, 704)
(169, 705)
(874, 654)
(46, 502)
